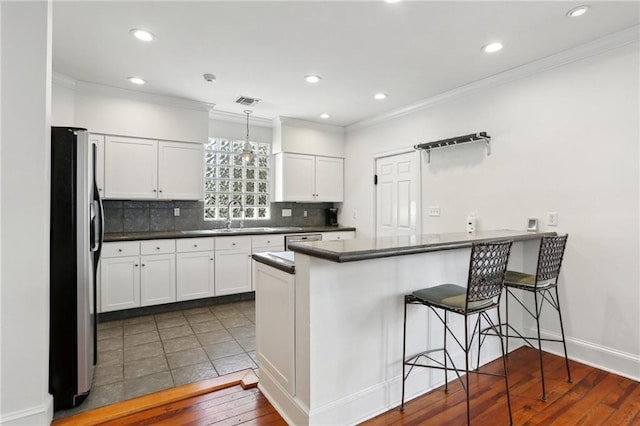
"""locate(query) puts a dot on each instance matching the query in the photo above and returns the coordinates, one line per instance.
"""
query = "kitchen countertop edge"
(315, 249)
(165, 235)
(275, 262)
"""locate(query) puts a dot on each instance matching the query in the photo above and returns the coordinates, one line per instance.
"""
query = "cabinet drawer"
(194, 244)
(233, 243)
(157, 247)
(120, 249)
(264, 241)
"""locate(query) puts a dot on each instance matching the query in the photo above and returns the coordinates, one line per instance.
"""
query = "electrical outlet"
(176, 211)
(552, 218)
(434, 211)
(354, 214)
(286, 212)
(305, 213)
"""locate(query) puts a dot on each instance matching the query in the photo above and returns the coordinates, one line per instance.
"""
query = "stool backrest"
(487, 268)
(550, 257)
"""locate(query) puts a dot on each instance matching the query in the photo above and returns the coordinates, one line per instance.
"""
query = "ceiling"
(410, 50)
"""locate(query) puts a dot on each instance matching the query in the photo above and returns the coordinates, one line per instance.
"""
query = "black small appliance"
(332, 216)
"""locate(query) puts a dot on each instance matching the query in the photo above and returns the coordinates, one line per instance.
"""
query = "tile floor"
(146, 354)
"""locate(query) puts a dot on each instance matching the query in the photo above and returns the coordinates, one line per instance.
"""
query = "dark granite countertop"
(280, 260)
(372, 248)
(133, 236)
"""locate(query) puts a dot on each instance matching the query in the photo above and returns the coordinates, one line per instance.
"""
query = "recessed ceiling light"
(380, 96)
(136, 80)
(577, 11)
(312, 78)
(143, 35)
(325, 116)
(492, 47)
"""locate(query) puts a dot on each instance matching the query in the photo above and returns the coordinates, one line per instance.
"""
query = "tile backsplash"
(150, 216)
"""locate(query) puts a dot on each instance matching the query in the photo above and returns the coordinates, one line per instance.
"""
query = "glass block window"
(227, 177)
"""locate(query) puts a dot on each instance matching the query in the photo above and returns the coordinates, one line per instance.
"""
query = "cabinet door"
(233, 271)
(120, 283)
(180, 171)
(329, 179)
(98, 141)
(339, 235)
(157, 279)
(131, 168)
(298, 173)
(194, 275)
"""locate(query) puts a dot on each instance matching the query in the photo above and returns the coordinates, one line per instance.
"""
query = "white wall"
(24, 224)
(303, 137)
(564, 140)
(62, 105)
(238, 130)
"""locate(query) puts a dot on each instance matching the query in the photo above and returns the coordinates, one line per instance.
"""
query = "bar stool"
(541, 285)
(487, 267)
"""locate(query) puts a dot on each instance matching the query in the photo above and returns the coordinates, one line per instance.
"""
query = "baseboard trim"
(38, 415)
(245, 378)
(291, 409)
(611, 360)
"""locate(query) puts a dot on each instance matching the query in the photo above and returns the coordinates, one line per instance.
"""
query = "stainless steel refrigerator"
(76, 240)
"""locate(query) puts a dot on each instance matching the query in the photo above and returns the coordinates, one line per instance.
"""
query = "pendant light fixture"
(247, 154)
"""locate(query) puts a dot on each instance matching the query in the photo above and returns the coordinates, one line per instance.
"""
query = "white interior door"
(398, 195)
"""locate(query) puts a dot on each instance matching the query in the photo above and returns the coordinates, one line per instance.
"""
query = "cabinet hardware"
(195, 245)
(157, 248)
(233, 244)
(160, 190)
(119, 250)
(143, 264)
(136, 265)
(154, 190)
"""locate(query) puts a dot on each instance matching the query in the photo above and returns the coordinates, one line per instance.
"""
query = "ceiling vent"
(247, 101)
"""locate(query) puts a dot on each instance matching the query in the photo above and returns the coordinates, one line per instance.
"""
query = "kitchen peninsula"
(329, 326)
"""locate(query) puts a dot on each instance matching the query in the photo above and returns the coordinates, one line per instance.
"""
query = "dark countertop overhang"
(276, 260)
(134, 236)
(373, 248)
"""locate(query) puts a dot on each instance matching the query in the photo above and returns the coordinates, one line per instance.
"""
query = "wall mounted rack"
(472, 137)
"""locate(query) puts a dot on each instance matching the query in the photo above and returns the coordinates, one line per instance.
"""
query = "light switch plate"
(176, 211)
(434, 211)
(552, 219)
(286, 212)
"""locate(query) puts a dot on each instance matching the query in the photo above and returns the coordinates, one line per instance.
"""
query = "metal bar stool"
(544, 286)
(487, 267)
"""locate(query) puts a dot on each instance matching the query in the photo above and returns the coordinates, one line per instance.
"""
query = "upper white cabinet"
(147, 169)
(180, 171)
(301, 177)
(131, 168)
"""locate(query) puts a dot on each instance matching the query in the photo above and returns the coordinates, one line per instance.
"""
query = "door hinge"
(375, 179)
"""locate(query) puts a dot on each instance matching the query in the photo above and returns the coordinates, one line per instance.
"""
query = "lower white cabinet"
(157, 279)
(120, 283)
(233, 265)
(130, 277)
(338, 235)
(195, 268)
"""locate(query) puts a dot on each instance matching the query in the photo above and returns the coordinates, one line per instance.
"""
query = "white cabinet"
(98, 142)
(301, 177)
(195, 268)
(180, 171)
(275, 332)
(120, 276)
(147, 169)
(233, 265)
(338, 235)
(264, 243)
(157, 272)
(131, 168)
(131, 277)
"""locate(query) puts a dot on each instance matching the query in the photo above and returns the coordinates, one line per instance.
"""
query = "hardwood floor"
(594, 398)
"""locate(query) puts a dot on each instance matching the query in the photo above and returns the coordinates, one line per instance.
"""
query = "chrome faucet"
(229, 212)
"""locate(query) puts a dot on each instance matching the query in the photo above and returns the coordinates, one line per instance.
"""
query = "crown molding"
(103, 90)
(233, 117)
(593, 48)
(296, 122)
(63, 80)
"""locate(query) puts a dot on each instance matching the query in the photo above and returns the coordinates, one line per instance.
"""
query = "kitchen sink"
(222, 231)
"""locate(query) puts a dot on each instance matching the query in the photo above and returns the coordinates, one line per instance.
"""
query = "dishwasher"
(300, 238)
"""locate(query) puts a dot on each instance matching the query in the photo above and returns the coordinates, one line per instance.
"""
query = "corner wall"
(24, 223)
(564, 140)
